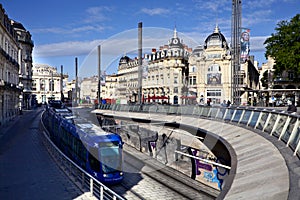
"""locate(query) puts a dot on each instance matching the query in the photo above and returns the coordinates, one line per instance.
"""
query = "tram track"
(145, 179)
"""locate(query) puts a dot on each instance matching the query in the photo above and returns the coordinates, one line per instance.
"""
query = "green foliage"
(284, 46)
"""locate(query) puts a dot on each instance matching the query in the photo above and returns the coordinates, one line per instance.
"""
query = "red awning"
(188, 97)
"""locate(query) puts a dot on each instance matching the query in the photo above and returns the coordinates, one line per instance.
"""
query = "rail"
(79, 176)
(277, 123)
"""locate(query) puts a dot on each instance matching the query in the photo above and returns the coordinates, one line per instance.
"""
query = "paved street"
(26, 169)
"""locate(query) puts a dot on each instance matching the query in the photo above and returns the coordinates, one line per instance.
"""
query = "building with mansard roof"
(166, 72)
(25, 59)
(9, 69)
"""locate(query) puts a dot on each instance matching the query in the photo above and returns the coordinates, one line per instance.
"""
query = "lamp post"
(20, 98)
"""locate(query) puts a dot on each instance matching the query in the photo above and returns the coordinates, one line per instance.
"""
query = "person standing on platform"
(291, 107)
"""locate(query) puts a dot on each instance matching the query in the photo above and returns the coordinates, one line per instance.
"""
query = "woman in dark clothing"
(291, 107)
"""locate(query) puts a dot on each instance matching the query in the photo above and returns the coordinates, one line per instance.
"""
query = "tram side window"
(93, 159)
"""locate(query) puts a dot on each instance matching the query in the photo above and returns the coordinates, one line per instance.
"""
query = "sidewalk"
(26, 169)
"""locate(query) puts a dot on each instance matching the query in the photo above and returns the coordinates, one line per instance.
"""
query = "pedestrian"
(208, 102)
(228, 103)
(224, 104)
(291, 107)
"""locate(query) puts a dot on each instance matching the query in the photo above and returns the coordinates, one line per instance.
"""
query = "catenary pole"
(140, 70)
(99, 74)
(76, 80)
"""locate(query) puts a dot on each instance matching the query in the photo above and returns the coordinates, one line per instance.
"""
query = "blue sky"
(65, 29)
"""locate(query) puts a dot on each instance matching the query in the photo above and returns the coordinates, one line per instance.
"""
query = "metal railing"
(79, 176)
(278, 123)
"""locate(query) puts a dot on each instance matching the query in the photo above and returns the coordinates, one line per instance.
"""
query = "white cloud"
(257, 43)
(155, 11)
(97, 14)
(69, 31)
(254, 4)
(64, 48)
(214, 6)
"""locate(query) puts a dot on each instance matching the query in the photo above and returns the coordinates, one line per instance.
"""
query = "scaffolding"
(235, 51)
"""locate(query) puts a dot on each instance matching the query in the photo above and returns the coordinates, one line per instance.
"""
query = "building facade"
(88, 89)
(25, 60)
(210, 77)
(46, 83)
(278, 89)
(9, 69)
(166, 73)
(127, 85)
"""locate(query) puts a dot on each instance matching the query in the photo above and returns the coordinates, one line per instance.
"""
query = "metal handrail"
(79, 176)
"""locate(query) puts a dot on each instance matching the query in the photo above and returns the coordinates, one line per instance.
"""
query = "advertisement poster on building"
(245, 44)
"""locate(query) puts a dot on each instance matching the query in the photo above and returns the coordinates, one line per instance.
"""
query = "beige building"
(109, 89)
(88, 89)
(278, 89)
(25, 59)
(210, 72)
(127, 85)
(166, 73)
(47, 83)
(9, 69)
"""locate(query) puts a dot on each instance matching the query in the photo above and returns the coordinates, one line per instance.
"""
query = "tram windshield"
(110, 156)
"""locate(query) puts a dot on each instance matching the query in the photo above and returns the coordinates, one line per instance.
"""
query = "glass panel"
(289, 130)
(93, 159)
(187, 110)
(173, 110)
(205, 111)
(280, 125)
(262, 120)
(237, 116)
(271, 123)
(197, 111)
(254, 118)
(110, 158)
(221, 113)
(246, 117)
(213, 112)
(294, 142)
(229, 114)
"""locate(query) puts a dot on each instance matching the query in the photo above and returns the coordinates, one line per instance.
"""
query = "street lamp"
(20, 97)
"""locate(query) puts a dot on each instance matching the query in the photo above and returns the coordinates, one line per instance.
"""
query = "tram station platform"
(260, 170)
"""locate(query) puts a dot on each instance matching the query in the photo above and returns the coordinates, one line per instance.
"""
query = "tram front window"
(110, 157)
(94, 162)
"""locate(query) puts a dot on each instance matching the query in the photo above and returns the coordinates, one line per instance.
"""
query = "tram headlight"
(105, 175)
(121, 173)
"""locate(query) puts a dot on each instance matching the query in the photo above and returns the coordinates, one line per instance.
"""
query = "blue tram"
(96, 151)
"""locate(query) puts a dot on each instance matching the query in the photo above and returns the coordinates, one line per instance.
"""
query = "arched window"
(214, 74)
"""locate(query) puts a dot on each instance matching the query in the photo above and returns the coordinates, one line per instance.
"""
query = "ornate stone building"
(9, 69)
(166, 75)
(47, 83)
(210, 77)
(127, 85)
(279, 88)
(25, 59)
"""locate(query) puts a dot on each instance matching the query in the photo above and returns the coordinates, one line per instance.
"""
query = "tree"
(284, 46)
